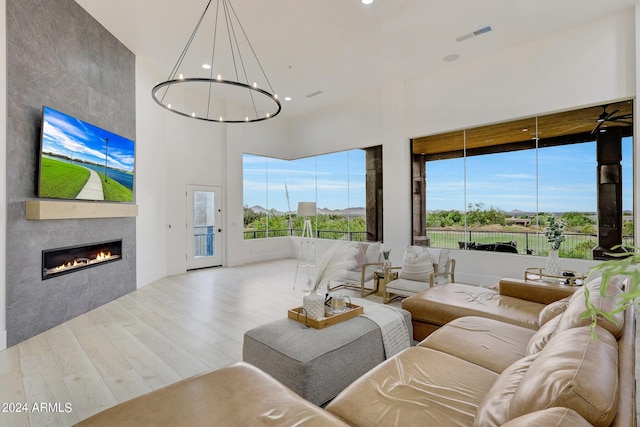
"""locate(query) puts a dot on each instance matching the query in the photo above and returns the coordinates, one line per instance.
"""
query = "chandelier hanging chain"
(251, 47)
(231, 31)
(172, 74)
(231, 104)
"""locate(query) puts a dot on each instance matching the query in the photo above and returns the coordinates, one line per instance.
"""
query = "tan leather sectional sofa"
(472, 371)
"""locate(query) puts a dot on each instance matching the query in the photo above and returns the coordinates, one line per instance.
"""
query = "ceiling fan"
(605, 117)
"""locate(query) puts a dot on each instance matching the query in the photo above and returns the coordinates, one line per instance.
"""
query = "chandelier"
(227, 83)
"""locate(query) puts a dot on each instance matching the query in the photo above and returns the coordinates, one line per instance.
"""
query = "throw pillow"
(359, 258)
(416, 266)
(440, 257)
(372, 253)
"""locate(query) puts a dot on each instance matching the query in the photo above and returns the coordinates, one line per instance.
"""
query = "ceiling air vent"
(478, 32)
(312, 94)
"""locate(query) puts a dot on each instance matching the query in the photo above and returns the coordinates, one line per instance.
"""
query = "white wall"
(3, 174)
(195, 155)
(151, 170)
(582, 66)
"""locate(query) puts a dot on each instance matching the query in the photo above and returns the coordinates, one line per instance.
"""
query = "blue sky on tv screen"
(66, 136)
(566, 180)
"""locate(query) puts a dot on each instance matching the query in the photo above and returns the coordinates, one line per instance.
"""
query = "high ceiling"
(344, 48)
(567, 127)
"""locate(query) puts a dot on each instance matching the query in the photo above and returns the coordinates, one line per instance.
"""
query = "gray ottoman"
(317, 364)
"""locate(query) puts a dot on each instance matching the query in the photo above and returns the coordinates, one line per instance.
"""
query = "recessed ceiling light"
(206, 66)
(287, 98)
(452, 57)
(367, 1)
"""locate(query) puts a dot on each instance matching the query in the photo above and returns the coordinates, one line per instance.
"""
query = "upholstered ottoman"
(317, 363)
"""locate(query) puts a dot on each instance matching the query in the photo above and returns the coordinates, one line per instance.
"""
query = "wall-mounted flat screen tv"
(81, 161)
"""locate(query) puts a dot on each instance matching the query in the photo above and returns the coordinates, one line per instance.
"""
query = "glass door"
(204, 225)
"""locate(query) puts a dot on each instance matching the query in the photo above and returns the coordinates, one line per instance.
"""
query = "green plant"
(554, 233)
(624, 264)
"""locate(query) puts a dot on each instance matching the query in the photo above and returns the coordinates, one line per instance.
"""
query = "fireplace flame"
(83, 262)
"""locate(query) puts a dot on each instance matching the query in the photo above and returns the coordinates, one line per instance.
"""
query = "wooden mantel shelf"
(53, 209)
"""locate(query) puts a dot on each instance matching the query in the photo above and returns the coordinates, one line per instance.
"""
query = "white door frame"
(216, 241)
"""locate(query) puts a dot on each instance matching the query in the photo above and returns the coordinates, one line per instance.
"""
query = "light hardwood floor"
(172, 329)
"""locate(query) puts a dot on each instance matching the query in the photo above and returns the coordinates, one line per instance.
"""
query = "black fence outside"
(356, 236)
(578, 245)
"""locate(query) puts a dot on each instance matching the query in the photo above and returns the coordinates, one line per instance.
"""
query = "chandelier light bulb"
(205, 89)
(367, 1)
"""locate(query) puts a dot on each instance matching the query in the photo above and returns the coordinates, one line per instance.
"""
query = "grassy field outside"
(61, 179)
(577, 245)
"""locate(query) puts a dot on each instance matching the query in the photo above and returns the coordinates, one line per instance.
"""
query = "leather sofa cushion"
(419, 386)
(552, 310)
(444, 303)
(572, 317)
(542, 336)
(217, 398)
(556, 417)
(485, 342)
(573, 371)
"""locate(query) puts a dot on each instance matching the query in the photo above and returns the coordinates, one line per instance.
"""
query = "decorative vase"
(552, 266)
(313, 303)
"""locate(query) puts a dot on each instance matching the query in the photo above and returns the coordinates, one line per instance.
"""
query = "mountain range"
(321, 211)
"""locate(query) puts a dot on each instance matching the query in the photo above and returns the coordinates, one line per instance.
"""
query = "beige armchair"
(361, 276)
(422, 268)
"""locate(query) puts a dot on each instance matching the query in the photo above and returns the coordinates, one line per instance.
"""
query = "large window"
(335, 182)
(496, 187)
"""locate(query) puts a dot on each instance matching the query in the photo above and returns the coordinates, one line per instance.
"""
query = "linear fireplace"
(56, 262)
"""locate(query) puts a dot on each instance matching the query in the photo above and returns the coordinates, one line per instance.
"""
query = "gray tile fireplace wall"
(58, 55)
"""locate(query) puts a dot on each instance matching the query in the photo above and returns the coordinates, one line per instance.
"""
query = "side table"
(568, 277)
(381, 278)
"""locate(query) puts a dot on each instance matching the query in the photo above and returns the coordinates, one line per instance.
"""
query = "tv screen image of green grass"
(80, 161)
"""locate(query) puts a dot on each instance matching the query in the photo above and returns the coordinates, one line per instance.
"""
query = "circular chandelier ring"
(169, 83)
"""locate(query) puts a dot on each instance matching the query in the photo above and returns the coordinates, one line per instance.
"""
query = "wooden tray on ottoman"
(331, 319)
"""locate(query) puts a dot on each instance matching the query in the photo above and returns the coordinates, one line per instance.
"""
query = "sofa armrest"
(530, 290)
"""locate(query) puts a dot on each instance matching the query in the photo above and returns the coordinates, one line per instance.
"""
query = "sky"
(506, 181)
(333, 181)
(67, 136)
